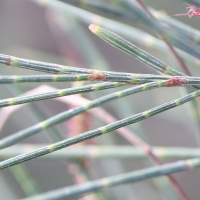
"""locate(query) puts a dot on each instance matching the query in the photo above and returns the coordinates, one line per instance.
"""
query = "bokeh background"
(32, 32)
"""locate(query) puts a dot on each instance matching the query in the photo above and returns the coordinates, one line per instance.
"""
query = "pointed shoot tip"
(93, 28)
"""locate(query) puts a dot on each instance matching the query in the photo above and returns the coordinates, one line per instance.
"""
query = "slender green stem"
(119, 179)
(103, 152)
(133, 78)
(50, 67)
(60, 93)
(133, 50)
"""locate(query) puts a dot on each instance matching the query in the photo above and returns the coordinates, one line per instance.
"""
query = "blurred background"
(33, 32)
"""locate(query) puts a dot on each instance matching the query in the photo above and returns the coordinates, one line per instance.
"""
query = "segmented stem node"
(97, 76)
(175, 81)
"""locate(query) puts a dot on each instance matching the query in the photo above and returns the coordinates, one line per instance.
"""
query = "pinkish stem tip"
(93, 27)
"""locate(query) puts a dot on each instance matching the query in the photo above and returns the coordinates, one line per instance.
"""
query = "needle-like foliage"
(116, 18)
